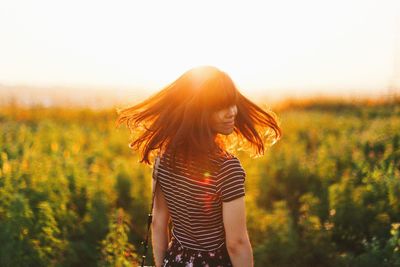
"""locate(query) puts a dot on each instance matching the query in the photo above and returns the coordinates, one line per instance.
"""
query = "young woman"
(200, 184)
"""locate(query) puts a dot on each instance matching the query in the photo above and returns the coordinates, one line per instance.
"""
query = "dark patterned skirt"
(177, 256)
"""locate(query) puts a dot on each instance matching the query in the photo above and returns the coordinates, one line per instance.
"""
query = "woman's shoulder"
(231, 171)
(229, 160)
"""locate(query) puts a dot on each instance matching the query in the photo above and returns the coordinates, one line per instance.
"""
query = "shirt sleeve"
(230, 180)
(155, 173)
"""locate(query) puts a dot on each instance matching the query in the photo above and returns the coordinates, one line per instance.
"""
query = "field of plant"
(327, 194)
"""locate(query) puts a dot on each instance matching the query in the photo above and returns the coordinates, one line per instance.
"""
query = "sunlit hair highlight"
(177, 118)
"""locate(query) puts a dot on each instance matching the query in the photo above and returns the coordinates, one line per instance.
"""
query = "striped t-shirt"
(194, 198)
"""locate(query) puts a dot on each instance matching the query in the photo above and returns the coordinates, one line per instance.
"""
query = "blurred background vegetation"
(327, 194)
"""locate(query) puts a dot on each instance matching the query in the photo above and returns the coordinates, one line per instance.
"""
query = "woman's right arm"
(237, 239)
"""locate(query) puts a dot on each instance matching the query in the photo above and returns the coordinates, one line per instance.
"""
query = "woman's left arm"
(160, 230)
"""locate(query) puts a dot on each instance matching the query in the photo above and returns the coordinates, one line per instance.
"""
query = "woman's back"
(194, 196)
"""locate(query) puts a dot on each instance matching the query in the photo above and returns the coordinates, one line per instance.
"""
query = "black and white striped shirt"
(194, 198)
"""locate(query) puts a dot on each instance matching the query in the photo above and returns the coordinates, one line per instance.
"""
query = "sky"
(286, 47)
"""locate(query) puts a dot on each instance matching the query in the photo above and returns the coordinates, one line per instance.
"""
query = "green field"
(72, 193)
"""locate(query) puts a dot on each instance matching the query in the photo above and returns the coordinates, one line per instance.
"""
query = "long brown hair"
(177, 118)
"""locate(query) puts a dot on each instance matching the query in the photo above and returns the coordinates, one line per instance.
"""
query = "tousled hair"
(177, 118)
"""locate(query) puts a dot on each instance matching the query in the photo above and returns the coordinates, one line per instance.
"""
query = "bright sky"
(263, 45)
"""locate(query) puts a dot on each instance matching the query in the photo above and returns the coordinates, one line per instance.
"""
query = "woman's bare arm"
(160, 230)
(237, 239)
